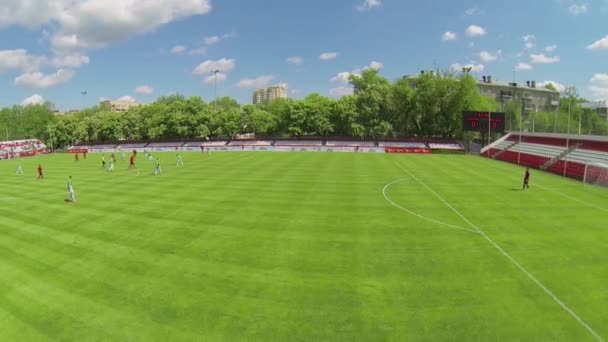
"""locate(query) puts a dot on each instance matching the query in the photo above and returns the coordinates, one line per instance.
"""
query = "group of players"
(70, 187)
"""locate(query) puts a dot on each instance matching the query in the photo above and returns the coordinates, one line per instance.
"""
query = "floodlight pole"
(523, 109)
(568, 136)
(215, 72)
(50, 137)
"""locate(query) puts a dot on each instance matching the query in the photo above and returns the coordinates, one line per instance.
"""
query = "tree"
(550, 86)
(261, 122)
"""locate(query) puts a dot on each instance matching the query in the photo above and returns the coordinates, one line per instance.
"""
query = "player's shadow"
(512, 189)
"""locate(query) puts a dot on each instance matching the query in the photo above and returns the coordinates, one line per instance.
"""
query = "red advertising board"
(78, 150)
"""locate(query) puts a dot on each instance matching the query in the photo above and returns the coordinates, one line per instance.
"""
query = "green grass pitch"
(300, 246)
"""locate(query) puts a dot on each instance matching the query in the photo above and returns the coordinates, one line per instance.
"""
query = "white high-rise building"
(270, 94)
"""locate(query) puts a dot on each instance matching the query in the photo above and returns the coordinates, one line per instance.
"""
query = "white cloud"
(487, 57)
(576, 9)
(295, 60)
(341, 78)
(216, 39)
(33, 100)
(368, 5)
(198, 51)
(70, 61)
(599, 86)
(327, 56)
(523, 67)
(19, 59)
(376, 65)
(258, 82)
(529, 41)
(212, 40)
(221, 77)
(223, 65)
(475, 31)
(284, 85)
(126, 98)
(560, 87)
(344, 77)
(448, 36)
(543, 59)
(474, 67)
(600, 79)
(144, 90)
(341, 91)
(551, 48)
(39, 80)
(78, 24)
(473, 11)
(178, 49)
(601, 44)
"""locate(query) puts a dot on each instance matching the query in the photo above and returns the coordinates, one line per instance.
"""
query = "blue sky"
(54, 49)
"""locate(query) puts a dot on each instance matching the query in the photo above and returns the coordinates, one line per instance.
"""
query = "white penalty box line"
(507, 255)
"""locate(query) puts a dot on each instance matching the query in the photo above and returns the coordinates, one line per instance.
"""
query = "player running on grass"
(76, 158)
(40, 172)
(132, 162)
(19, 170)
(111, 167)
(527, 179)
(103, 161)
(157, 169)
(179, 160)
(71, 194)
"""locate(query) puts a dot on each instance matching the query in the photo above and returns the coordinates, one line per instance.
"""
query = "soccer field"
(301, 246)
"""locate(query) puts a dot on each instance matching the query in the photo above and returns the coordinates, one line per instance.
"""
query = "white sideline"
(509, 257)
(573, 198)
(418, 215)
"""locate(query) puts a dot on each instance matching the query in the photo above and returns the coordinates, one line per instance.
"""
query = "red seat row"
(523, 159)
(573, 170)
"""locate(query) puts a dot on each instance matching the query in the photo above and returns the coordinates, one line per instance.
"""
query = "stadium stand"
(446, 146)
(586, 156)
(21, 148)
(250, 143)
(549, 151)
(299, 143)
(350, 143)
(206, 143)
(402, 144)
(555, 153)
(128, 146)
(165, 144)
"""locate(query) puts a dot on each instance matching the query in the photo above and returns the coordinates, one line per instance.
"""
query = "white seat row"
(402, 144)
(250, 143)
(445, 146)
(351, 143)
(299, 142)
(538, 150)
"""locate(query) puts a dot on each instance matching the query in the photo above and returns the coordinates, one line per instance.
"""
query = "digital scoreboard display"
(483, 122)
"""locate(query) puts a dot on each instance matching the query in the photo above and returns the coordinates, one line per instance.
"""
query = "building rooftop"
(519, 86)
(596, 104)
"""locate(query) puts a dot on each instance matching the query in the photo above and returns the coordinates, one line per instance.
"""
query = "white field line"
(558, 192)
(509, 257)
(572, 198)
(386, 197)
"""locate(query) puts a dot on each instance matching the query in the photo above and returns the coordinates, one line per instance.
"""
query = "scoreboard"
(483, 122)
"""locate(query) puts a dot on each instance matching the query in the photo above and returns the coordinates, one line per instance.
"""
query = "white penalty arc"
(443, 224)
